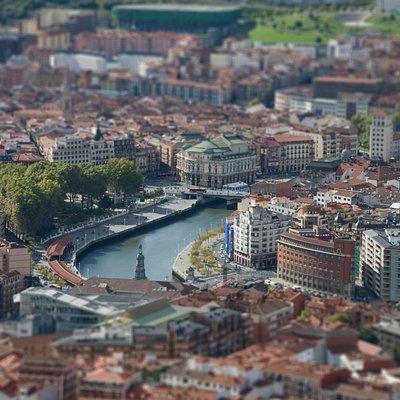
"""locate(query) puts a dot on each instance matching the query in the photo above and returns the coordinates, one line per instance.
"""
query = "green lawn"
(270, 34)
(297, 27)
(386, 23)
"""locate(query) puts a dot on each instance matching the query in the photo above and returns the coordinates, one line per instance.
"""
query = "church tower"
(140, 273)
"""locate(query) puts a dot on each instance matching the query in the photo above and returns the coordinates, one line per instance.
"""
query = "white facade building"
(381, 136)
(79, 148)
(380, 263)
(217, 162)
(255, 234)
(324, 197)
(339, 49)
(322, 106)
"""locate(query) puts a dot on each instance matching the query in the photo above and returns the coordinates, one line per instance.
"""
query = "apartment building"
(86, 147)
(284, 153)
(379, 263)
(296, 99)
(109, 382)
(350, 104)
(388, 331)
(11, 283)
(217, 162)
(214, 93)
(113, 42)
(339, 196)
(48, 369)
(54, 39)
(381, 136)
(14, 257)
(330, 86)
(314, 263)
(217, 332)
(255, 233)
(76, 149)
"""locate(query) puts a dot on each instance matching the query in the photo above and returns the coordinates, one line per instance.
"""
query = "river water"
(161, 245)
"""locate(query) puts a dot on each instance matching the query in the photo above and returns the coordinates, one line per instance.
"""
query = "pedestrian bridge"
(201, 192)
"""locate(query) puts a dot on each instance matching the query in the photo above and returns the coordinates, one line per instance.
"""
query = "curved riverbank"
(161, 244)
(95, 234)
(142, 226)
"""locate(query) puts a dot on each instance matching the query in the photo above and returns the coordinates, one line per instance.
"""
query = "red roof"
(61, 269)
(57, 248)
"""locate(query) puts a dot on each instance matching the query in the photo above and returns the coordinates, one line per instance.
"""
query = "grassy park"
(298, 27)
(389, 24)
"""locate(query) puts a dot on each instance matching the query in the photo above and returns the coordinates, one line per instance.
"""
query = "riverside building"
(316, 263)
(255, 233)
(217, 162)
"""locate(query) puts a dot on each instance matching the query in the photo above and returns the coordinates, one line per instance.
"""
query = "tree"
(396, 120)
(72, 180)
(94, 184)
(367, 335)
(303, 315)
(122, 176)
(362, 123)
(340, 317)
(27, 209)
(396, 353)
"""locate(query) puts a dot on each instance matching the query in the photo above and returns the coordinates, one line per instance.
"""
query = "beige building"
(217, 162)
(14, 257)
(284, 153)
(381, 136)
(55, 39)
(76, 149)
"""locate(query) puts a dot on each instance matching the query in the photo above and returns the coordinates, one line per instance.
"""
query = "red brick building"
(316, 264)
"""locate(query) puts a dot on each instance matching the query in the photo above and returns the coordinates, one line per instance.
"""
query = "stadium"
(196, 19)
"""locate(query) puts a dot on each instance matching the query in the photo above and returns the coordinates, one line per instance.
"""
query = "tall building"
(216, 162)
(380, 263)
(140, 272)
(316, 263)
(381, 136)
(255, 233)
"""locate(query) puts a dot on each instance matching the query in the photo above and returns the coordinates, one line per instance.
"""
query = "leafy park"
(201, 256)
(39, 197)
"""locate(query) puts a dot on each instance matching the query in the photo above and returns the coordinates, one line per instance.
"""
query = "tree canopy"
(362, 122)
(33, 196)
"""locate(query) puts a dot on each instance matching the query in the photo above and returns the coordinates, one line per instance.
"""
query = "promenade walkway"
(101, 230)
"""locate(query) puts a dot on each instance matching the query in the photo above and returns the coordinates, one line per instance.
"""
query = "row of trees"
(32, 197)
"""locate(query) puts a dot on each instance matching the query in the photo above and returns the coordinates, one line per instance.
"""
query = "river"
(117, 259)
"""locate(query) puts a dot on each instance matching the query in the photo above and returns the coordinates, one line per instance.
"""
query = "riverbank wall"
(142, 227)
